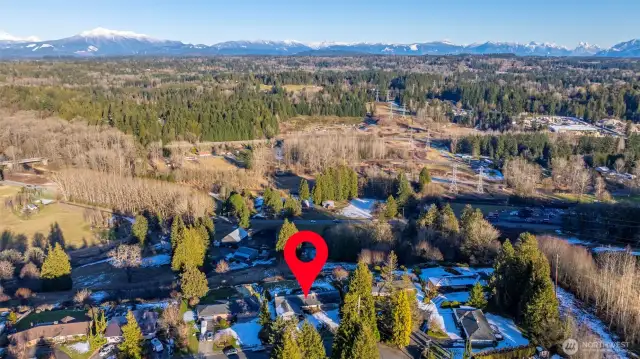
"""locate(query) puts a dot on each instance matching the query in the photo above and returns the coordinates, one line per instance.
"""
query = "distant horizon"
(561, 22)
(123, 32)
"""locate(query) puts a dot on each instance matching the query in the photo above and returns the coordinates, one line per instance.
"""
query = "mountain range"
(104, 42)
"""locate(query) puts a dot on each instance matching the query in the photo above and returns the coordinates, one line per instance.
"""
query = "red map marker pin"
(306, 272)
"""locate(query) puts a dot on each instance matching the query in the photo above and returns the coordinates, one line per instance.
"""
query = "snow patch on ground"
(90, 281)
(512, 335)
(247, 333)
(329, 266)
(570, 305)
(189, 316)
(156, 305)
(359, 208)
(330, 318)
(98, 297)
(156, 261)
(96, 262)
(614, 249)
(80, 347)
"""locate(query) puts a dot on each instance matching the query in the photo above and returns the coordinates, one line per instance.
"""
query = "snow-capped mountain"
(105, 42)
(624, 49)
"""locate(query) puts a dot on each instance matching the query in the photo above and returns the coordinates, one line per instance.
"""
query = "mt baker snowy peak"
(105, 42)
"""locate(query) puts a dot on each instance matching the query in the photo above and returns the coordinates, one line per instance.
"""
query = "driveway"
(241, 355)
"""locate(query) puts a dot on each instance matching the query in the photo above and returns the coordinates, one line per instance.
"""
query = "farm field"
(70, 220)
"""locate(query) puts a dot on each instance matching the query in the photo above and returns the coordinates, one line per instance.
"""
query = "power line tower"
(454, 179)
(377, 95)
(390, 102)
(480, 188)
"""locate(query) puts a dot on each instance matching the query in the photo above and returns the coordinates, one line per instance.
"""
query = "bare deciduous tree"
(222, 267)
(126, 257)
(30, 271)
(6, 270)
(82, 296)
(522, 176)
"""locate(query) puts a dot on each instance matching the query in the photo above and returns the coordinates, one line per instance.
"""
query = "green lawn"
(48, 317)
(218, 294)
(74, 354)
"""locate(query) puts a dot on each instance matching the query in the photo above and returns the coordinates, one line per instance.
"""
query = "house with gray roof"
(215, 311)
(245, 254)
(475, 326)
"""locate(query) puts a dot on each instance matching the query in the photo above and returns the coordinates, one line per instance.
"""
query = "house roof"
(245, 252)
(381, 289)
(455, 280)
(248, 306)
(51, 331)
(209, 310)
(113, 329)
(284, 307)
(236, 236)
(314, 299)
(147, 321)
(475, 324)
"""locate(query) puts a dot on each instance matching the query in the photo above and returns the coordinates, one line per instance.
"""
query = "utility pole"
(454, 180)
(377, 97)
(480, 188)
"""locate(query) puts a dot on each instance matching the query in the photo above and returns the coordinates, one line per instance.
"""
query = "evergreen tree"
(190, 251)
(386, 272)
(272, 202)
(357, 315)
(424, 179)
(447, 221)
(353, 188)
(264, 318)
(310, 342)
(207, 223)
(194, 283)
(391, 211)
(286, 346)
(140, 229)
(287, 230)
(401, 321)
(292, 207)
(318, 196)
(476, 298)
(429, 218)
(404, 189)
(238, 207)
(303, 189)
(177, 231)
(56, 269)
(363, 346)
(131, 347)
(502, 290)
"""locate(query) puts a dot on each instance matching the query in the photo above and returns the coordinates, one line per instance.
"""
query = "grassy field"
(294, 88)
(48, 316)
(217, 294)
(74, 354)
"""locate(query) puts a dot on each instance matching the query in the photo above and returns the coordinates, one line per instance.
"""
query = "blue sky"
(565, 22)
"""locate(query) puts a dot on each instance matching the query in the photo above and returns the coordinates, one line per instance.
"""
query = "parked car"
(106, 350)
(209, 336)
(156, 345)
(230, 351)
(496, 332)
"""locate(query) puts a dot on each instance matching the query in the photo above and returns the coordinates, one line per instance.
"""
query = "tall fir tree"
(401, 320)
(476, 297)
(424, 179)
(287, 230)
(447, 221)
(56, 269)
(310, 342)
(190, 250)
(404, 191)
(358, 313)
(363, 346)
(264, 319)
(131, 346)
(286, 346)
(429, 218)
(391, 210)
(140, 229)
(193, 284)
(303, 189)
(177, 231)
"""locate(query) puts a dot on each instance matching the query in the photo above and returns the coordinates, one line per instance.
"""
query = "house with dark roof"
(245, 309)
(66, 329)
(453, 283)
(285, 309)
(245, 254)
(315, 301)
(475, 326)
(215, 311)
(147, 321)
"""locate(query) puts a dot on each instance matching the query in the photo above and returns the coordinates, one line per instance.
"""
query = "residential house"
(68, 328)
(147, 321)
(285, 309)
(475, 326)
(383, 290)
(245, 254)
(214, 312)
(316, 301)
(453, 283)
(245, 309)
(233, 238)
